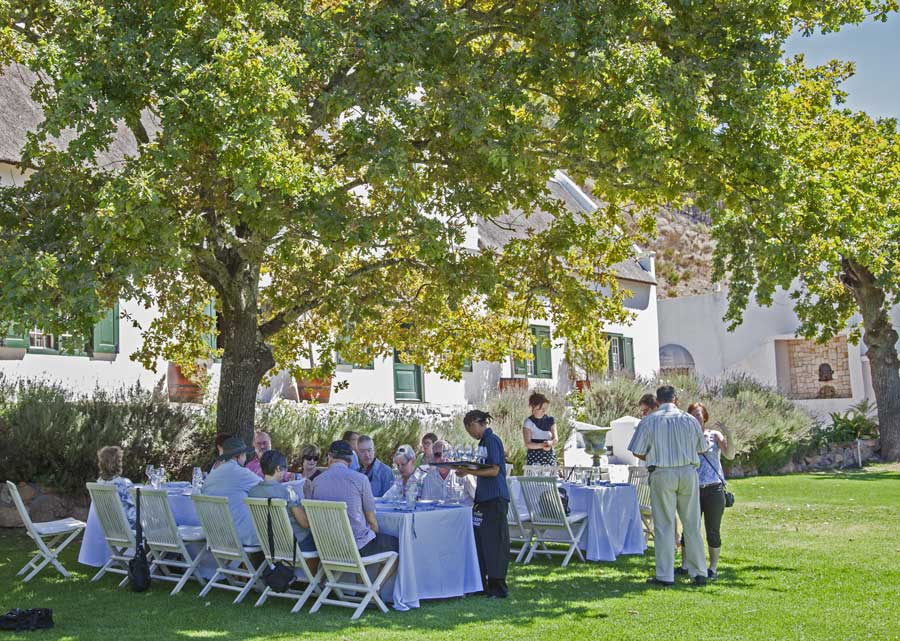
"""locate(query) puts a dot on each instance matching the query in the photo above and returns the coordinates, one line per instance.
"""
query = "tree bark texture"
(246, 358)
(881, 343)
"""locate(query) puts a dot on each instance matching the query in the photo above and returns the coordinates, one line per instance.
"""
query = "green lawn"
(805, 557)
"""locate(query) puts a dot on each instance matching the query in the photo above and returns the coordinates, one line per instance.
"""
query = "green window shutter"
(543, 357)
(11, 336)
(467, 365)
(628, 354)
(211, 338)
(105, 338)
(520, 367)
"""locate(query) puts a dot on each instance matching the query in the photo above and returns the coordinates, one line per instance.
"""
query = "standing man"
(670, 441)
(380, 476)
(491, 502)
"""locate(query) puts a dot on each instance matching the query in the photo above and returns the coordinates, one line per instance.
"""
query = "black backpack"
(22, 620)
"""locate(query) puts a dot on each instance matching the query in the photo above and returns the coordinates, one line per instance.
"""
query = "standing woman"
(539, 432)
(491, 502)
(712, 491)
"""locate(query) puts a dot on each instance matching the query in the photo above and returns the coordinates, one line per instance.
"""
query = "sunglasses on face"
(310, 458)
(438, 454)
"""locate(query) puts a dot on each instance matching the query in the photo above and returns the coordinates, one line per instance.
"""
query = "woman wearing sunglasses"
(309, 469)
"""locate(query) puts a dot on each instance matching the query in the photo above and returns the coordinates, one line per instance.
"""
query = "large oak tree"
(313, 165)
(828, 231)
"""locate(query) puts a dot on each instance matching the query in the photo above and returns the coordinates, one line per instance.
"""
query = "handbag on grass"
(26, 620)
(139, 567)
(277, 576)
(729, 497)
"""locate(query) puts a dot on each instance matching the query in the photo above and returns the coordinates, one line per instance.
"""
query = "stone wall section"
(806, 358)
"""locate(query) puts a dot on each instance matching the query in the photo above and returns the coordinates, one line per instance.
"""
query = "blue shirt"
(277, 490)
(340, 483)
(492, 488)
(710, 470)
(354, 464)
(380, 477)
(234, 483)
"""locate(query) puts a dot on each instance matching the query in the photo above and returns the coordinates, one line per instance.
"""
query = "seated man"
(262, 443)
(352, 439)
(405, 460)
(438, 482)
(233, 481)
(340, 483)
(380, 476)
(273, 466)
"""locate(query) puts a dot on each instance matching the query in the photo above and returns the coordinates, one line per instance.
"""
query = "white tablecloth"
(94, 551)
(437, 554)
(614, 518)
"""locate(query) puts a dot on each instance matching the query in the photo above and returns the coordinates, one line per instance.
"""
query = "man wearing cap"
(670, 441)
(340, 483)
(405, 460)
(233, 481)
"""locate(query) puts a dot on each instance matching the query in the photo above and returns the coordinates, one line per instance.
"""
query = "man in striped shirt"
(670, 441)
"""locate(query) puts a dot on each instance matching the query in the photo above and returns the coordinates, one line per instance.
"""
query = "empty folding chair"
(171, 561)
(116, 531)
(339, 556)
(639, 477)
(549, 521)
(284, 549)
(519, 527)
(234, 570)
(50, 537)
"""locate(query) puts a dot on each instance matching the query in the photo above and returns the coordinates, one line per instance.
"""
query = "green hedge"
(763, 427)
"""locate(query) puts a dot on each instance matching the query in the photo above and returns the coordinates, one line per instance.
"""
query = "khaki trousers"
(676, 489)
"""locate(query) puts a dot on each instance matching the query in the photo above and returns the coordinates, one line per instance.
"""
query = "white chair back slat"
(282, 533)
(111, 514)
(20, 506)
(542, 498)
(221, 536)
(160, 529)
(331, 530)
(639, 477)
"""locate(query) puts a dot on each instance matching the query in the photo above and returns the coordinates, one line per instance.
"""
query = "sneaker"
(711, 574)
(681, 571)
(699, 580)
(659, 582)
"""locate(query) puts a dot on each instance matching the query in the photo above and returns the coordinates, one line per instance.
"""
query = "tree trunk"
(245, 360)
(881, 343)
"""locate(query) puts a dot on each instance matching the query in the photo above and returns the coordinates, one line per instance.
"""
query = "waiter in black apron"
(491, 502)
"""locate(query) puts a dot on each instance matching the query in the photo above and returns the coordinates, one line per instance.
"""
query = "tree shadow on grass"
(856, 474)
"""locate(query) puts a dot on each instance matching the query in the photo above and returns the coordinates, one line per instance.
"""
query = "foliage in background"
(764, 428)
(857, 422)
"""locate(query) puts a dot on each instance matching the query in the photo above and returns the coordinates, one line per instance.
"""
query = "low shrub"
(857, 422)
(763, 427)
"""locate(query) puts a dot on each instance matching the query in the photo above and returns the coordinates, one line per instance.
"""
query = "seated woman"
(405, 460)
(274, 465)
(309, 468)
(109, 460)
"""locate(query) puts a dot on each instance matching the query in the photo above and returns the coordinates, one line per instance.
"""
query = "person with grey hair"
(405, 460)
(380, 476)
(670, 441)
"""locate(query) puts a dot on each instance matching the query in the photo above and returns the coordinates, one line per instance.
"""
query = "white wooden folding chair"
(235, 571)
(283, 550)
(116, 531)
(50, 537)
(339, 555)
(541, 470)
(519, 527)
(172, 560)
(549, 521)
(639, 477)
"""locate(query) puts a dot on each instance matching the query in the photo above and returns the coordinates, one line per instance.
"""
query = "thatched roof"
(496, 233)
(19, 115)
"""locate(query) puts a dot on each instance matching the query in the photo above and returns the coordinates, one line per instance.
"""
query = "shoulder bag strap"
(139, 529)
(724, 484)
(271, 536)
